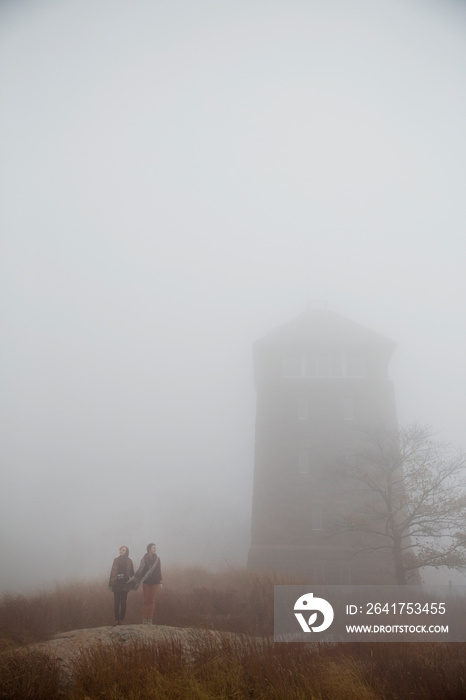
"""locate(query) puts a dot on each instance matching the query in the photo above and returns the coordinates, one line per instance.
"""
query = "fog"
(176, 179)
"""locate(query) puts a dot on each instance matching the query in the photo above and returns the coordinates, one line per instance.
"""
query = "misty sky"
(176, 179)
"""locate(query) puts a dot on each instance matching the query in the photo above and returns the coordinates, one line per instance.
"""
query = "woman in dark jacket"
(122, 570)
(150, 574)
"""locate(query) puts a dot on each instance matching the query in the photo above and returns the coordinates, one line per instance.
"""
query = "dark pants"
(119, 604)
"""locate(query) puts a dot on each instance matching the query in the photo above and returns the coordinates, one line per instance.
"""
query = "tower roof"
(324, 327)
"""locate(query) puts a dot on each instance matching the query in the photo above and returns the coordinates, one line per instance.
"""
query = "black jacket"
(146, 564)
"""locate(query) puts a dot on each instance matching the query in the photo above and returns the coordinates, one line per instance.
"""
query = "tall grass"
(29, 675)
(249, 665)
(234, 600)
(243, 668)
(25, 619)
(251, 668)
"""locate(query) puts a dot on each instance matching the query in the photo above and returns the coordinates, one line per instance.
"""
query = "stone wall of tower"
(306, 426)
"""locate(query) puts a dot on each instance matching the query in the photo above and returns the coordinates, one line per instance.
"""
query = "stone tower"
(318, 378)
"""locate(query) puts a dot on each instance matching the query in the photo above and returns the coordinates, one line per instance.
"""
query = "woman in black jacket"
(122, 570)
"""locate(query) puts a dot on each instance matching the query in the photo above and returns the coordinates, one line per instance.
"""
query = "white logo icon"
(309, 603)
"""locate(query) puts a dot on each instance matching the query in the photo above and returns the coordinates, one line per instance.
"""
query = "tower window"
(303, 460)
(324, 365)
(336, 365)
(316, 516)
(318, 573)
(348, 409)
(355, 366)
(303, 409)
(311, 366)
(345, 574)
(292, 366)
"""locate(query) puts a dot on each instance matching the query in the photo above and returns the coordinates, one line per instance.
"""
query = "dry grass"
(28, 675)
(234, 600)
(25, 619)
(245, 667)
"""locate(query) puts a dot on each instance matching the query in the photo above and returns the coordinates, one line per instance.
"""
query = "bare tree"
(406, 496)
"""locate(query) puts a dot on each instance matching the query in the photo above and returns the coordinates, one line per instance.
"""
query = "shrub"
(28, 675)
(248, 667)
